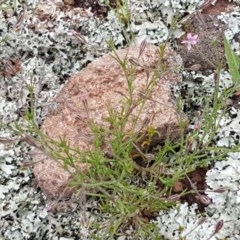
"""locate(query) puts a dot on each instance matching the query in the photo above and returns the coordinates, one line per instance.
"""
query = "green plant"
(233, 63)
(122, 11)
(133, 193)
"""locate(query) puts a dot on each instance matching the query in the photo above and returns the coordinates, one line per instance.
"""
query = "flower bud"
(195, 67)
(173, 198)
(220, 190)
(205, 200)
(134, 61)
(219, 226)
(201, 220)
(142, 47)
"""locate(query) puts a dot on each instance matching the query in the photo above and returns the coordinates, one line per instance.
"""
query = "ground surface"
(38, 46)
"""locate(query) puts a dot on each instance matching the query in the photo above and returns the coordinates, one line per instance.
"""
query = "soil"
(198, 178)
(96, 8)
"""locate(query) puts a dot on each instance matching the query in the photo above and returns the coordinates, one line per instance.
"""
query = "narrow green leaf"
(233, 62)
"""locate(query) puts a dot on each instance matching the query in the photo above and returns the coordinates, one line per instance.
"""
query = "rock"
(89, 95)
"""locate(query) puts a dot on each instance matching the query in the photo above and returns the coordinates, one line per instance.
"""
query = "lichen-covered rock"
(89, 95)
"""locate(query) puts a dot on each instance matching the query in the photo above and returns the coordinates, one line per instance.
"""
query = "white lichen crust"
(49, 54)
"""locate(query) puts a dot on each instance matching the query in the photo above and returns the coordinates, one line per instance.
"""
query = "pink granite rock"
(101, 86)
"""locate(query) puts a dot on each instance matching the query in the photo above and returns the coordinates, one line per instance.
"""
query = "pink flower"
(49, 206)
(191, 40)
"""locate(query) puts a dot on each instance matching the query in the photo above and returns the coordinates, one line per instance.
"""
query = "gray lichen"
(49, 54)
